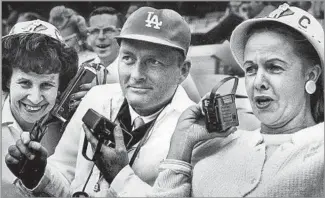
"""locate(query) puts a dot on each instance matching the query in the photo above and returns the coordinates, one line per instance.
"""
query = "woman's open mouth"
(263, 102)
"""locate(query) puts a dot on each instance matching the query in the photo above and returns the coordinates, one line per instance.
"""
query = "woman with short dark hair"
(36, 67)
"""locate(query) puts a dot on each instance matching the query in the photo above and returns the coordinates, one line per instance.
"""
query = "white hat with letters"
(294, 17)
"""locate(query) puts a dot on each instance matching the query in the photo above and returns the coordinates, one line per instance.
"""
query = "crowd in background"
(73, 24)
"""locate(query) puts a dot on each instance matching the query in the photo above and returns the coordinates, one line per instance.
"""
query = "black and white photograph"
(162, 98)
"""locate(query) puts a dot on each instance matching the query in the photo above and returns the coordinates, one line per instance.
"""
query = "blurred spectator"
(73, 29)
(234, 6)
(10, 22)
(317, 9)
(133, 7)
(243, 10)
(29, 16)
(305, 5)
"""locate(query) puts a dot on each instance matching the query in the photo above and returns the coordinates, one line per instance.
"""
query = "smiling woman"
(36, 66)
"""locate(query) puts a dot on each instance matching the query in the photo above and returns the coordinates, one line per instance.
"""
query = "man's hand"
(76, 98)
(110, 161)
(28, 155)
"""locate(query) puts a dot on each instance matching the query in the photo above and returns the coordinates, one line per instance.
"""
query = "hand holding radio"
(190, 130)
(29, 156)
(214, 116)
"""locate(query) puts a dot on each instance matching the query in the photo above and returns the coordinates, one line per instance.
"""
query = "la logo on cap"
(153, 19)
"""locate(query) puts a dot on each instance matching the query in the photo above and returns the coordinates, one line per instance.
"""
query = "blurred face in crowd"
(32, 95)
(102, 30)
(255, 7)
(149, 74)
(275, 78)
(130, 10)
(70, 37)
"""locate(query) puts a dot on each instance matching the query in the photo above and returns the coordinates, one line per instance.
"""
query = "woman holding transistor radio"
(36, 66)
(283, 57)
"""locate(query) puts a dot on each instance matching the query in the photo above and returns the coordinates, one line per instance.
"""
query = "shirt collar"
(97, 60)
(179, 103)
(145, 119)
(309, 134)
(304, 136)
(7, 117)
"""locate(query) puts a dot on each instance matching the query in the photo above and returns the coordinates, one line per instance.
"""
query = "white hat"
(294, 17)
(36, 26)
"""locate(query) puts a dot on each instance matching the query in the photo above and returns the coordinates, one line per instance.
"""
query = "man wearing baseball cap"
(147, 103)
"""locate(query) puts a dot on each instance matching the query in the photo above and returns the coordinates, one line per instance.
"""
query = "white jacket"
(67, 169)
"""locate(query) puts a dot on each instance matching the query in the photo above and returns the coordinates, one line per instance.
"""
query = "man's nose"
(35, 95)
(138, 71)
(101, 35)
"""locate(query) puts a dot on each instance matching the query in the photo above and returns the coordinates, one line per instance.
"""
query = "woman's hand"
(28, 155)
(190, 130)
(76, 98)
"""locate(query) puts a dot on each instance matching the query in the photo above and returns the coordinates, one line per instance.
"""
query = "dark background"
(199, 8)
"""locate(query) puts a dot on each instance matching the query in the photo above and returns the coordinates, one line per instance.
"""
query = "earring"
(310, 87)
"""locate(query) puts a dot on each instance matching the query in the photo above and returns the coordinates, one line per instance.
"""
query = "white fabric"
(112, 75)
(67, 169)
(145, 119)
(8, 138)
(237, 167)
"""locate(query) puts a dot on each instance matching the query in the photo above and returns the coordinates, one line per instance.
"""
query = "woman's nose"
(35, 95)
(260, 82)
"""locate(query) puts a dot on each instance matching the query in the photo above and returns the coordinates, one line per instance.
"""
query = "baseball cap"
(293, 17)
(36, 26)
(164, 26)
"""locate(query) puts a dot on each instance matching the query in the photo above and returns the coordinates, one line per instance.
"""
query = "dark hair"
(304, 49)
(110, 11)
(32, 52)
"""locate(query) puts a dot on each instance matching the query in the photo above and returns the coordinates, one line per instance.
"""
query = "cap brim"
(237, 39)
(149, 39)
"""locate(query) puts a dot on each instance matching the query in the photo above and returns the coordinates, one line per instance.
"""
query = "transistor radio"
(220, 111)
(85, 74)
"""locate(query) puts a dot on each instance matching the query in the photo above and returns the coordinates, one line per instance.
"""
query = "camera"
(102, 129)
(62, 110)
(220, 111)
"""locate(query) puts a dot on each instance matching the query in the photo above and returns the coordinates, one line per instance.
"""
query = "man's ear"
(313, 73)
(185, 70)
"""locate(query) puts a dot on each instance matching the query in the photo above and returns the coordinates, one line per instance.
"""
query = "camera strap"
(142, 141)
(215, 88)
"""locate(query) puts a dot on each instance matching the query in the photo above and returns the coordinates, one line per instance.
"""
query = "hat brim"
(149, 39)
(237, 39)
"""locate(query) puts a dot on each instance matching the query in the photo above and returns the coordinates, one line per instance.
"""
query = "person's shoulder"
(180, 100)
